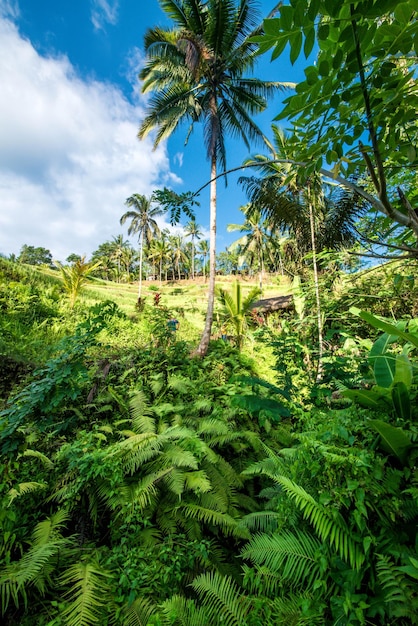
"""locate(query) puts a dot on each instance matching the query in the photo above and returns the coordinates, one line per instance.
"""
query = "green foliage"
(75, 276)
(366, 59)
(236, 310)
(60, 380)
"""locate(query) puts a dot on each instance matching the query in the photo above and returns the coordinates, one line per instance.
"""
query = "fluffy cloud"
(69, 156)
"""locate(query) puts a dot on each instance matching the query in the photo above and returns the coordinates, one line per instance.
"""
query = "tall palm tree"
(255, 240)
(192, 230)
(143, 223)
(298, 204)
(203, 250)
(198, 73)
(159, 252)
(178, 253)
(118, 246)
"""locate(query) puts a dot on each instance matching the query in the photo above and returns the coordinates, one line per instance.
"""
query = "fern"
(38, 455)
(263, 521)
(400, 592)
(294, 556)
(222, 599)
(24, 488)
(87, 595)
(328, 528)
(36, 566)
(214, 518)
(139, 612)
(141, 413)
(178, 611)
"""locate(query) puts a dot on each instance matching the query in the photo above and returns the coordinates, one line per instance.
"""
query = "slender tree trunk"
(192, 258)
(204, 342)
(261, 262)
(316, 283)
(140, 263)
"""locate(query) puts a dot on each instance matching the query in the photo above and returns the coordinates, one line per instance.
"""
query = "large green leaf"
(403, 371)
(380, 324)
(379, 400)
(254, 404)
(401, 401)
(384, 370)
(394, 440)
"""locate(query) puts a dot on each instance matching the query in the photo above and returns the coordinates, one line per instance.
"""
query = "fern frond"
(294, 556)
(399, 584)
(198, 482)
(214, 518)
(36, 566)
(139, 612)
(179, 384)
(212, 426)
(142, 494)
(262, 521)
(38, 455)
(179, 457)
(222, 599)
(328, 528)
(87, 595)
(178, 611)
(203, 404)
(141, 413)
(174, 481)
(24, 488)
(289, 611)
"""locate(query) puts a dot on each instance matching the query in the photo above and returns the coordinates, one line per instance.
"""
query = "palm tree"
(203, 249)
(75, 276)
(192, 230)
(118, 246)
(143, 222)
(254, 242)
(236, 309)
(300, 206)
(197, 72)
(178, 253)
(159, 252)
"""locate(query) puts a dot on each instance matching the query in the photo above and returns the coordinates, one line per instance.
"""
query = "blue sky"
(70, 109)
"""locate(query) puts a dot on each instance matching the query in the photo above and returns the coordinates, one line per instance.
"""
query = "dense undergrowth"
(141, 486)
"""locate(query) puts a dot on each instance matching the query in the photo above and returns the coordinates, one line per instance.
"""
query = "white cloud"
(69, 156)
(104, 12)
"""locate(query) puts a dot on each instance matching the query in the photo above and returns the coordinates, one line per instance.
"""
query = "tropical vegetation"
(271, 477)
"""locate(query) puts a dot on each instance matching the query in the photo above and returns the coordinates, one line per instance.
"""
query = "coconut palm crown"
(197, 73)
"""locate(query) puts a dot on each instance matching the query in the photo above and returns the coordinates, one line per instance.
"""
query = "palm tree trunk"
(316, 283)
(204, 341)
(140, 264)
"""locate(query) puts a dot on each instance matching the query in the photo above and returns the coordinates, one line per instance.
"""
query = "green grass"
(187, 301)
